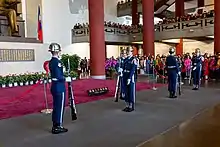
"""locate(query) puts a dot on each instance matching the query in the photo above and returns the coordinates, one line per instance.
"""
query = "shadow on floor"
(201, 131)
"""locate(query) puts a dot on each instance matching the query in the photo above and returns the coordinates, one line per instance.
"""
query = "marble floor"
(192, 120)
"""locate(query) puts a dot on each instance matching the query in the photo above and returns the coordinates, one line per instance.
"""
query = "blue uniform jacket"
(172, 64)
(57, 76)
(130, 66)
(197, 62)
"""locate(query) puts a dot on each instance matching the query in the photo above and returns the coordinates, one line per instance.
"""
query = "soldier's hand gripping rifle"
(70, 95)
(118, 83)
(117, 88)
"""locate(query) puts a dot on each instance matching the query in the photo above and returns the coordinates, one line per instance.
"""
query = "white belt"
(54, 79)
(171, 66)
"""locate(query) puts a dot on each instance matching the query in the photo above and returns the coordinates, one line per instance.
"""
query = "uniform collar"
(55, 57)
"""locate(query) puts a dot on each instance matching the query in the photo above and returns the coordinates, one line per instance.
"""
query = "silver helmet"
(54, 47)
(172, 50)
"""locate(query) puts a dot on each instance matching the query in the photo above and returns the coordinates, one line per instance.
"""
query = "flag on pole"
(39, 28)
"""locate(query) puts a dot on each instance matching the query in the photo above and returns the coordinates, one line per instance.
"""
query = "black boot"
(170, 95)
(195, 88)
(130, 109)
(125, 109)
(58, 130)
(121, 97)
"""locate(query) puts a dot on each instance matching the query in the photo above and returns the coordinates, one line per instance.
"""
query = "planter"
(3, 85)
(50, 80)
(21, 84)
(10, 85)
(26, 83)
(15, 84)
(31, 82)
(74, 78)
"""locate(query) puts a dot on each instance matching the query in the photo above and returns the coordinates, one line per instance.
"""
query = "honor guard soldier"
(119, 68)
(129, 81)
(197, 62)
(58, 89)
(172, 71)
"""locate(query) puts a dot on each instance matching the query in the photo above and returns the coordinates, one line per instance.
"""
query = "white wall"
(112, 50)
(189, 46)
(59, 19)
(41, 55)
(30, 16)
(161, 48)
(82, 50)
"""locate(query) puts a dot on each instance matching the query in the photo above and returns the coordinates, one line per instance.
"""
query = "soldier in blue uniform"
(172, 71)
(119, 69)
(129, 81)
(197, 61)
(58, 89)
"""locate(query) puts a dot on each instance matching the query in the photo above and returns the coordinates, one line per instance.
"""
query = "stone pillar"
(179, 8)
(217, 26)
(148, 27)
(135, 17)
(179, 11)
(97, 38)
(179, 47)
(135, 50)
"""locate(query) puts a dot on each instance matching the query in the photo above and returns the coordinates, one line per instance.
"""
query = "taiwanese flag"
(39, 28)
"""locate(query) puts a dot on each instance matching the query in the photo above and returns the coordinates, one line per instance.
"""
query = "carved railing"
(199, 27)
(183, 25)
(108, 30)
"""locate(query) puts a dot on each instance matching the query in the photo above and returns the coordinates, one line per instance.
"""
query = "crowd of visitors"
(188, 17)
(164, 21)
(210, 69)
(109, 24)
(156, 65)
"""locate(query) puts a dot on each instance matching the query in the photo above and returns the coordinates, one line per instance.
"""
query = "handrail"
(182, 25)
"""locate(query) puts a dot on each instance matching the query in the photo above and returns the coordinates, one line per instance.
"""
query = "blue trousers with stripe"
(172, 81)
(130, 90)
(58, 108)
(196, 76)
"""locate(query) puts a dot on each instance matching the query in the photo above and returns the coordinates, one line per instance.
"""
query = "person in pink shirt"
(187, 64)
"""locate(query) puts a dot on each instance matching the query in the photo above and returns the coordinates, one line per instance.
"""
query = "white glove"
(179, 73)
(68, 79)
(129, 81)
(194, 68)
(120, 70)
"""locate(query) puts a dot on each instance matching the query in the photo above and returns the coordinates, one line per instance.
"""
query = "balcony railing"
(184, 29)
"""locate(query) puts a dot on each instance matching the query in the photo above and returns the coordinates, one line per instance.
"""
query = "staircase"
(159, 7)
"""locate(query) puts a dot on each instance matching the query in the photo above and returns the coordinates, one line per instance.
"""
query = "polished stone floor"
(202, 130)
(157, 122)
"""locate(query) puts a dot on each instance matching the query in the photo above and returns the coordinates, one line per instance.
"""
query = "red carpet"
(19, 101)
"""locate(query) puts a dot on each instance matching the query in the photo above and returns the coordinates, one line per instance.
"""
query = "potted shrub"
(25, 78)
(74, 61)
(9, 81)
(16, 80)
(73, 75)
(20, 80)
(2, 82)
(31, 79)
